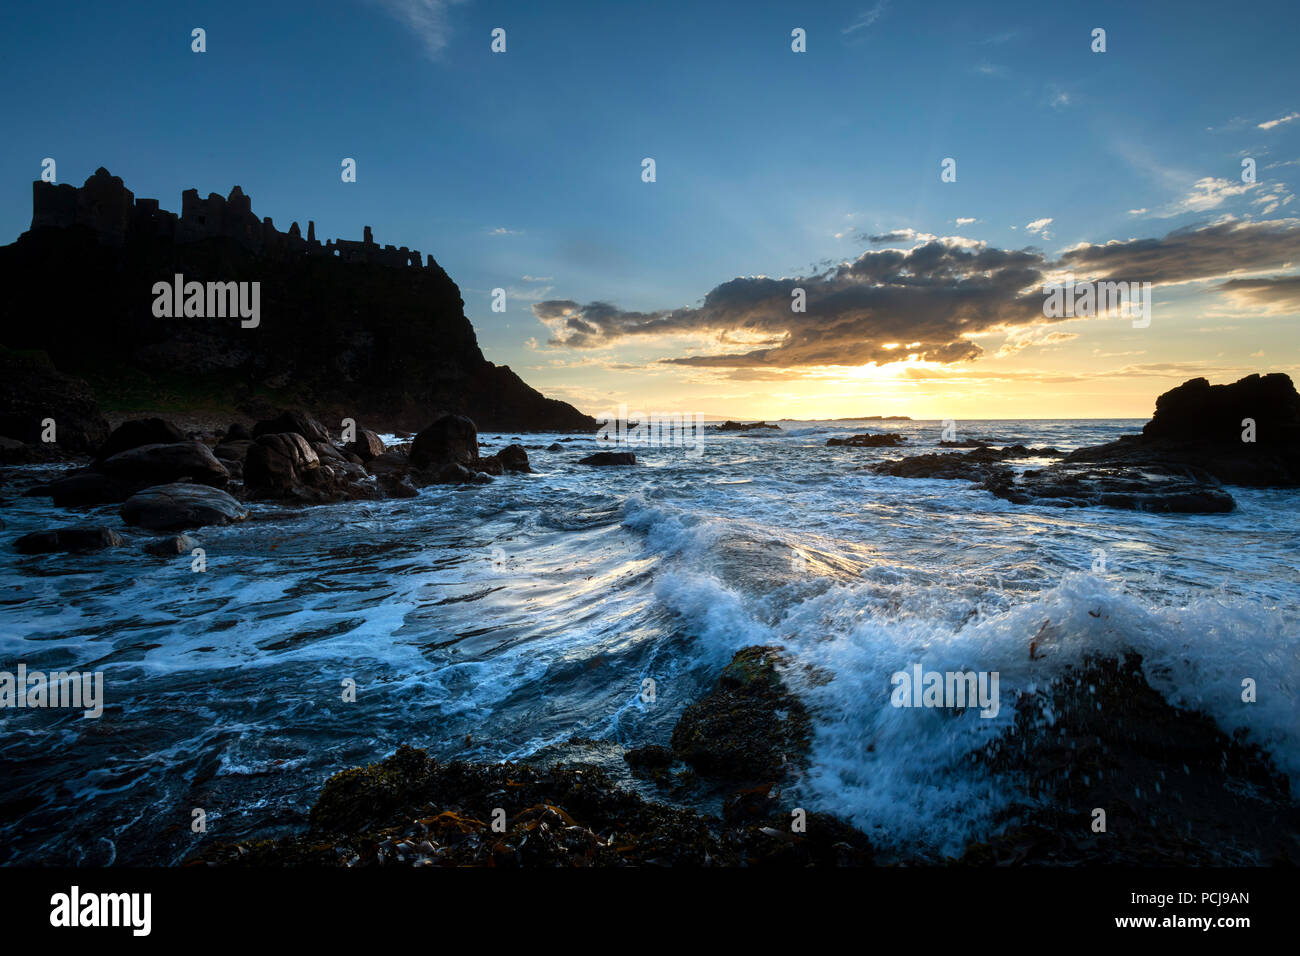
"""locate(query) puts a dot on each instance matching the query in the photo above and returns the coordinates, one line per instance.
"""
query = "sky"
(774, 171)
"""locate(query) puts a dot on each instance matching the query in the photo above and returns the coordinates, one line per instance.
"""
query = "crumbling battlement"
(105, 205)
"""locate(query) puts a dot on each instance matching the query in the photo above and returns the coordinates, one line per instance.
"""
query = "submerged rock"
(609, 458)
(68, 539)
(171, 546)
(887, 440)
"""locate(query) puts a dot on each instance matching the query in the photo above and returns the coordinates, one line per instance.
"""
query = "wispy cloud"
(1039, 227)
(426, 18)
(1269, 124)
(1207, 193)
(867, 18)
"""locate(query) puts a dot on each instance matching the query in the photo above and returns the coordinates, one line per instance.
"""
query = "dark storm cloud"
(928, 301)
(1203, 252)
(1281, 291)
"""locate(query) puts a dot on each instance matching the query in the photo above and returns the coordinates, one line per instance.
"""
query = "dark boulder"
(142, 431)
(513, 458)
(181, 505)
(609, 458)
(238, 432)
(1197, 411)
(276, 464)
(299, 423)
(233, 449)
(368, 445)
(68, 539)
(450, 439)
(1204, 426)
(82, 488)
(162, 464)
(172, 546)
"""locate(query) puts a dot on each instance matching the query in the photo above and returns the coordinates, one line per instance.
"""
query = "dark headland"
(347, 328)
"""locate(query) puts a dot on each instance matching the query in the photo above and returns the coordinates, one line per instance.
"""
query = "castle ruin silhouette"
(108, 208)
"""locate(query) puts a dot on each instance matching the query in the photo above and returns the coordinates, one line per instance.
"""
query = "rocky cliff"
(346, 328)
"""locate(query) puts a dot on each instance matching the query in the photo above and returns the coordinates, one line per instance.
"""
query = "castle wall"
(107, 207)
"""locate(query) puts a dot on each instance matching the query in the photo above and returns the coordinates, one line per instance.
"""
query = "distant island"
(854, 418)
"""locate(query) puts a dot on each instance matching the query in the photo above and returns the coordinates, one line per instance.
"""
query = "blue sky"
(522, 170)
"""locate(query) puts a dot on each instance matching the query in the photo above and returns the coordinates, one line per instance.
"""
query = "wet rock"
(887, 440)
(233, 449)
(453, 473)
(238, 432)
(947, 467)
(277, 465)
(653, 756)
(14, 452)
(68, 539)
(609, 458)
(555, 446)
(134, 434)
(392, 462)
(172, 546)
(411, 810)
(367, 446)
(83, 488)
(450, 439)
(1152, 487)
(298, 423)
(1202, 426)
(513, 458)
(749, 727)
(1177, 791)
(396, 486)
(177, 506)
(161, 464)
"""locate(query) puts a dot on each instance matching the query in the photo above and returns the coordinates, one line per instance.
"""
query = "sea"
(525, 620)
